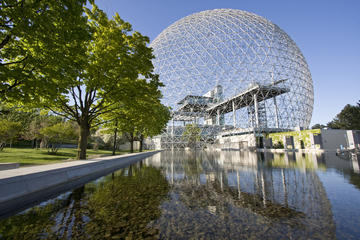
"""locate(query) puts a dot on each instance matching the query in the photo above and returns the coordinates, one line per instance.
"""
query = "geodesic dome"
(232, 67)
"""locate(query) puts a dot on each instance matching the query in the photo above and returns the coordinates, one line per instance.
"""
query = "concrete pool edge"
(20, 188)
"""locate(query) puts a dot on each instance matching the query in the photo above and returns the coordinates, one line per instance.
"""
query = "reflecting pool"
(206, 195)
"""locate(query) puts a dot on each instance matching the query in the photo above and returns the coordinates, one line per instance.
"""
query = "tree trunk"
(131, 142)
(34, 143)
(131, 146)
(141, 143)
(130, 171)
(114, 147)
(83, 140)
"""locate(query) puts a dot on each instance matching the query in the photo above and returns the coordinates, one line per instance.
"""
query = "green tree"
(318, 126)
(192, 134)
(348, 118)
(25, 118)
(118, 210)
(17, 115)
(32, 128)
(57, 134)
(145, 117)
(152, 121)
(115, 58)
(104, 138)
(126, 123)
(9, 130)
(38, 42)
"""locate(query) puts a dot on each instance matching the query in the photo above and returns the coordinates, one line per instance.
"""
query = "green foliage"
(29, 225)
(304, 135)
(37, 123)
(9, 130)
(302, 162)
(318, 126)
(193, 165)
(78, 65)
(104, 139)
(348, 118)
(38, 42)
(153, 119)
(278, 145)
(29, 156)
(116, 56)
(191, 134)
(143, 116)
(32, 125)
(58, 133)
(24, 117)
(124, 206)
(145, 119)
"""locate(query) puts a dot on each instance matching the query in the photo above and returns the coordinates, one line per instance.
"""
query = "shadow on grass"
(30, 164)
(51, 159)
(61, 154)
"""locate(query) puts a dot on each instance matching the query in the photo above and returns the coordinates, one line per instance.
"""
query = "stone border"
(7, 166)
(20, 188)
(292, 150)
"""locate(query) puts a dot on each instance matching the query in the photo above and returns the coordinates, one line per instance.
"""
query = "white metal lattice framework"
(231, 70)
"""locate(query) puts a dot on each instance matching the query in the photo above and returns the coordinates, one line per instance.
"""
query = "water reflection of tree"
(192, 165)
(121, 205)
(31, 224)
(124, 207)
(354, 178)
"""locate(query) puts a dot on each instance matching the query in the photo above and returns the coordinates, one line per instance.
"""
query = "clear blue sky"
(326, 31)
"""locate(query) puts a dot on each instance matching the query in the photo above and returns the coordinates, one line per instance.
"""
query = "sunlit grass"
(28, 156)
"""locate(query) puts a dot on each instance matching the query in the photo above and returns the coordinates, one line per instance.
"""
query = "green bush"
(278, 145)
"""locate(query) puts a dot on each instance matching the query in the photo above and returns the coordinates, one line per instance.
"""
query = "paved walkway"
(55, 166)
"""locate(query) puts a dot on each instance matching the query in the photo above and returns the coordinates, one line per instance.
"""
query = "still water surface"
(206, 195)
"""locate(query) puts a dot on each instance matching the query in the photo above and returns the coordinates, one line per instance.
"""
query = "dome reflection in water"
(209, 195)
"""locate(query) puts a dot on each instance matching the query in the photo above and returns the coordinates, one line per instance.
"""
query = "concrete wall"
(333, 138)
(353, 139)
(246, 141)
(327, 139)
(7, 166)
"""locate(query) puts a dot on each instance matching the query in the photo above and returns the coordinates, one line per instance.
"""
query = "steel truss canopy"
(228, 67)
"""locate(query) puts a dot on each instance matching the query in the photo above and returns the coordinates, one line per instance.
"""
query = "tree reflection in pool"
(117, 206)
(198, 195)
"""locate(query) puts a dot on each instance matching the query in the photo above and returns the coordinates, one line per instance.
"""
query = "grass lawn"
(28, 156)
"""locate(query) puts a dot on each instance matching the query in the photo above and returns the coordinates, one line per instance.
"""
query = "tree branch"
(86, 100)
(98, 113)
(80, 98)
(5, 41)
(9, 63)
(99, 123)
(59, 113)
(76, 103)
(66, 108)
